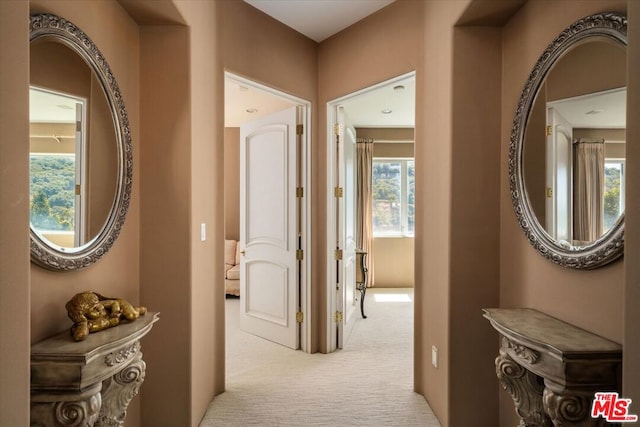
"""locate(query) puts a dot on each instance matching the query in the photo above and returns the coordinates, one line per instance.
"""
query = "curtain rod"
(591, 141)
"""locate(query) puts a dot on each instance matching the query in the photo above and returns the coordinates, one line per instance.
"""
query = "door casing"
(305, 205)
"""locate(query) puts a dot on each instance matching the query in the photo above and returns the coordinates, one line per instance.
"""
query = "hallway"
(369, 383)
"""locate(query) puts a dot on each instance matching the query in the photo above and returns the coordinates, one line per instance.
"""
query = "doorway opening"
(57, 163)
(267, 210)
(381, 117)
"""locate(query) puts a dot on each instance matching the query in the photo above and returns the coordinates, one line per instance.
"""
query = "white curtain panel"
(364, 203)
(588, 191)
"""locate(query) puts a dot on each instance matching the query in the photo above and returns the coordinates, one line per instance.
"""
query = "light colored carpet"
(369, 383)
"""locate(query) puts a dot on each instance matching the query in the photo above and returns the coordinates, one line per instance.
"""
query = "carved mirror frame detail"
(609, 247)
(44, 25)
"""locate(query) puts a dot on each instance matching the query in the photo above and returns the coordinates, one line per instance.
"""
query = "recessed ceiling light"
(251, 110)
(399, 88)
(594, 111)
(387, 111)
(65, 107)
(243, 88)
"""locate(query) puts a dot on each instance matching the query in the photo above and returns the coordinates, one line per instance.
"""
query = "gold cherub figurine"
(92, 312)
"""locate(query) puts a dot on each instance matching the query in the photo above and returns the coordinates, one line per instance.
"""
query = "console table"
(361, 277)
(552, 369)
(91, 382)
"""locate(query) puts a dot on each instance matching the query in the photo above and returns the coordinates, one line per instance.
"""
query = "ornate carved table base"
(66, 409)
(551, 369)
(525, 389)
(89, 383)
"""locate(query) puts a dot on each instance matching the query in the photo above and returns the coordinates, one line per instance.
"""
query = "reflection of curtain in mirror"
(364, 202)
(588, 190)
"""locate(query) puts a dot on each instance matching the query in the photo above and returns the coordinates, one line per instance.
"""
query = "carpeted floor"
(369, 383)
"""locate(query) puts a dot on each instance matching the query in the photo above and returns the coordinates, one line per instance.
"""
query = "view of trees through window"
(613, 192)
(52, 192)
(393, 197)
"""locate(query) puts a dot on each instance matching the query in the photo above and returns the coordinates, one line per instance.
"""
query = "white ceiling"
(364, 109)
(49, 107)
(602, 110)
(319, 19)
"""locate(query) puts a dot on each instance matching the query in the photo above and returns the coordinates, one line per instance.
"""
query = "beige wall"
(631, 292)
(526, 278)
(394, 258)
(15, 307)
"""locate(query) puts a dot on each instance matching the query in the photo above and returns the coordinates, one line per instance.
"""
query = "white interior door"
(269, 292)
(346, 223)
(559, 206)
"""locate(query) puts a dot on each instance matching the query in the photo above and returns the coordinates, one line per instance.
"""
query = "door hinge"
(299, 192)
(337, 255)
(337, 129)
(299, 129)
(299, 317)
(78, 190)
(337, 317)
(299, 254)
(338, 192)
(78, 126)
(549, 130)
(549, 192)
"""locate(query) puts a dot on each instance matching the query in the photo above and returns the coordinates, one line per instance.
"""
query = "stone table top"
(542, 331)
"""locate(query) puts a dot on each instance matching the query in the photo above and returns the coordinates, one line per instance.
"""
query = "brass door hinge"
(78, 190)
(299, 129)
(337, 129)
(338, 192)
(337, 255)
(549, 192)
(299, 254)
(78, 126)
(299, 317)
(549, 130)
(299, 192)
(337, 317)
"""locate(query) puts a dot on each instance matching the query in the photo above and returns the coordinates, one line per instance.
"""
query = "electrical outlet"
(434, 356)
(203, 232)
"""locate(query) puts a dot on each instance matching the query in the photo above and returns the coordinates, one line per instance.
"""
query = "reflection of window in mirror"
(57, 166)
(614, 176)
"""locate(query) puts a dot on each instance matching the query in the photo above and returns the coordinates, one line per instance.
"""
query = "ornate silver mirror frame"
(610, 246)
(43, 253)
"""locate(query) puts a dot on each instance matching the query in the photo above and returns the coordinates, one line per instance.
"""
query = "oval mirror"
(80, 153)
(567, 147)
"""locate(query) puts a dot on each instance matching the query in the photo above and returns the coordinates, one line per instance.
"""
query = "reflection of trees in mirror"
(52, 191)
(613, 179)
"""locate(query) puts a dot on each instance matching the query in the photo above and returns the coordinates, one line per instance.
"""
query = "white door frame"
(305, 214)
(332, 303)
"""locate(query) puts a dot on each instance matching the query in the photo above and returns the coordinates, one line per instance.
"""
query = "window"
(613, 191)
(393, 197)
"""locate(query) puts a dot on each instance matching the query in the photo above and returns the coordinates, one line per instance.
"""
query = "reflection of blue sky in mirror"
(392, 297)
